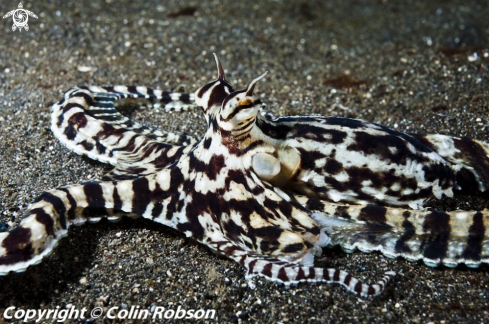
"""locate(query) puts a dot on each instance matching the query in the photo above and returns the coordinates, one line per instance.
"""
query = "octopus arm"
(289, 273)
(87, 122)
(48, 218)
(436, 237)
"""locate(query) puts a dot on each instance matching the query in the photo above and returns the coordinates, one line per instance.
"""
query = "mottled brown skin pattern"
(214, 190)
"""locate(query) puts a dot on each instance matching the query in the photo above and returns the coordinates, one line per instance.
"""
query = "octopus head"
(239, 109)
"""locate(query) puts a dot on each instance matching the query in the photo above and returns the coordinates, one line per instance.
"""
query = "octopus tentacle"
(115, 96)
(47, 220)
(148, 159)
(436, 237)
(288, 273)
(73, 125)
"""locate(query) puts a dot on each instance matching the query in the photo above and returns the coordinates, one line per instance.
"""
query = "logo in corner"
(20, 17)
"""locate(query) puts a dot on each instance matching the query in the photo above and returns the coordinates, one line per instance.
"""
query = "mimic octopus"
(268, 193)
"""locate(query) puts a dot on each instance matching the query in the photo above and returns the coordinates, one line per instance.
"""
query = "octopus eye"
(246, 102)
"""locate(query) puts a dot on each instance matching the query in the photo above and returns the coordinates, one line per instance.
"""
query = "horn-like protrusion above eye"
(251, 87)
(220, 70)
